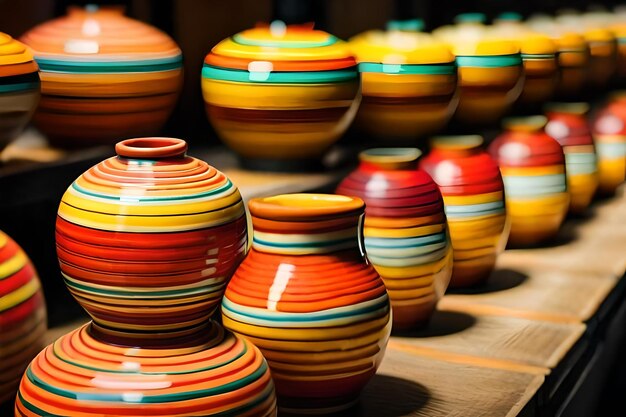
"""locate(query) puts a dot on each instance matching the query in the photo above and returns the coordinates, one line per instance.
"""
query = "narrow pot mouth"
(456, 142)
(151, 148)
(91, 9)
(390, 155)
(525, 124)
(304, 206)
(578, 108)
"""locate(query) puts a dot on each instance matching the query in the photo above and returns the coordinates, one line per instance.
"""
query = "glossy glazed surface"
(22, 315)
(609, 134)
(309, 299)
(280, 92)
(106, 73)
(406, 237)
(473, 194)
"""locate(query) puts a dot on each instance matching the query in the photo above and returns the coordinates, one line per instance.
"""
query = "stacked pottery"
(103, 73)
(280, 95)
(473, 194)
(609, 135)
(567, 124)
(19, 88)
(406, 237)
(309, 299)
(146, 242)
(533, 170)
(491, 73)
(22, 315)
(408, 83)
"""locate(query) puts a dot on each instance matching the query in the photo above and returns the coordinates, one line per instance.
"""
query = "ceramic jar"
(105, 74)
(491, 73)
(473, 195)
(22, 315)
(408, 84)
(309, 299)
(280, 95)
(533, 170)
(19, 88)
(406, 237)
(567, 123)
(609, 135)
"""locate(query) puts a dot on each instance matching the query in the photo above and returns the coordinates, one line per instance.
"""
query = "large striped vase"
(473, 194)
(609, 134)
(309, 299)
(22, 315)
(406, 237)
(104, 77)
(146, 242)
(533, 169)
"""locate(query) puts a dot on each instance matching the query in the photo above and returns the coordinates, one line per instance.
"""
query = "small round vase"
(533, 170)
(147, 239)
(104, 77)
(406, 237)
(309, 299)
(280, 96)
(567, 124)
(408, 84)
(213, 373)
(22, 315)
(473, 195)
(19, 88)
(609, 134)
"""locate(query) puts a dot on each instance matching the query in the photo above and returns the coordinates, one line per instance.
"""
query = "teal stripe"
(423, 69)
(474, 207)
(302, 245)
(144, 295)
(489, 61)
(11, 88)
(392, 242)
(152, 65)
(241, 40)
(295, 77)
(35, 409)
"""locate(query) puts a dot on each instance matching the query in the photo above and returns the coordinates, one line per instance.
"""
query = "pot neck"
(390, 159)
(457, 146)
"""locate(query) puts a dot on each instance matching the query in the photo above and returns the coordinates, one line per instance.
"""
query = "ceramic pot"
(309, 299)
(280, 95)
(533, 170)
(19, 88)
(22, 315)
(567, 124)
(609, 134)
(105, 74)
(408, 84)
(619, 31)
(473, 195)
(406, 237)
(148, 239)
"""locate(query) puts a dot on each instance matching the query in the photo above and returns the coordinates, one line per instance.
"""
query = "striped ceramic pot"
(473, 194)
(22, 315)
(104, 73)
(406, 237)
(567, 123)
(309, 299)
(609, 135)
(533, 170)
(280, 94)
(19, 88)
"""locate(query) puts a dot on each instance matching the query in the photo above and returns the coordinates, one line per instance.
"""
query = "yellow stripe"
(20, 295)
(455, 200)
(13, 265)
(413, 271)
(527, 171)
(403, 233)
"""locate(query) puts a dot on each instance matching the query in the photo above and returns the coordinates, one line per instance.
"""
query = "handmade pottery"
(609, 135)
(280, 95)
(567, 124)
(19, 88)
(309, 299)
(533, 170)
(406, 237)
(473, 195)
(104, 77)
(491, 73)
(408, 84)
(22, 315)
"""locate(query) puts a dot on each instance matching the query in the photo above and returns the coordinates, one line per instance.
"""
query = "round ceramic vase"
(19, 88)
(408, 84)
(473, 195)
(567, 124)
(309, 299)
(104, 77)
(406, 237)
(280, 95)
(609, 134)
(22, 315)
(533, 170)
